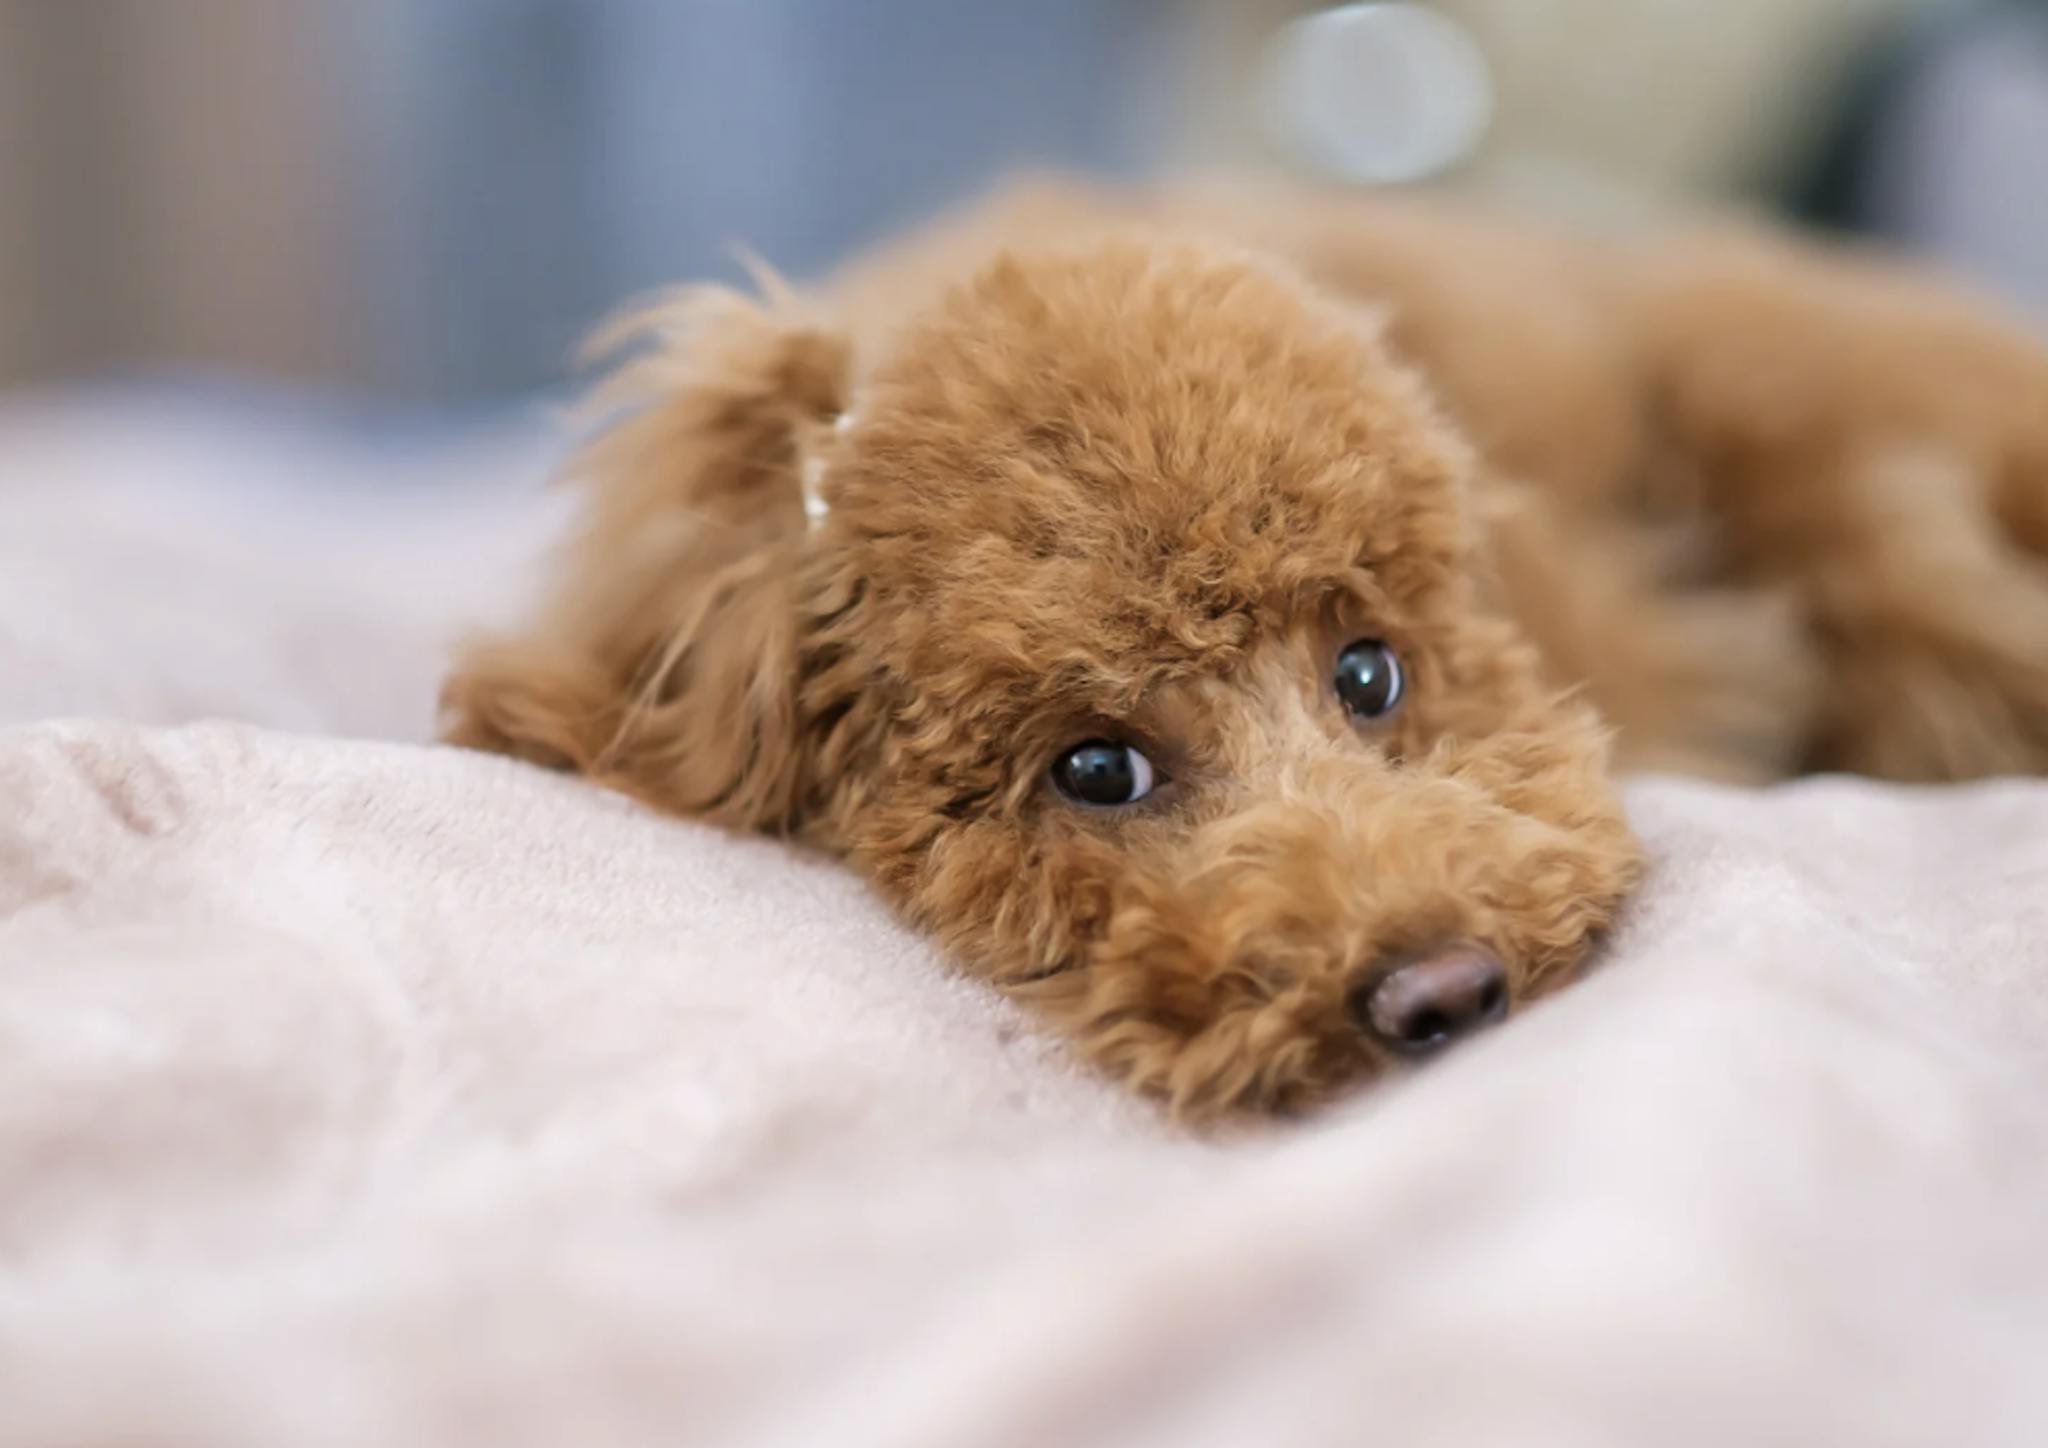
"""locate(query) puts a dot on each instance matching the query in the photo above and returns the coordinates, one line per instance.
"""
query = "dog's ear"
(665, 661)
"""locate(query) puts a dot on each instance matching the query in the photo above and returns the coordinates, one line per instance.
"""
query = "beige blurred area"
(166, 168)
(1596, 102)
(1664, 97)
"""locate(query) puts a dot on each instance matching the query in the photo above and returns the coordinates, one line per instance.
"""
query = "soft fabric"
(366, 1092)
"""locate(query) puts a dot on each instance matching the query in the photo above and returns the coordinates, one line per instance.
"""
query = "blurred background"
(424, 202)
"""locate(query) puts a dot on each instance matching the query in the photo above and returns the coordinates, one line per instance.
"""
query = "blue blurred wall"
(527, 164)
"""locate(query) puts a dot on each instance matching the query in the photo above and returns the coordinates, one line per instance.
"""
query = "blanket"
(355, 1090)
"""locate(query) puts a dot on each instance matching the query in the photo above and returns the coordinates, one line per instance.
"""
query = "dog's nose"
(1426, 1004)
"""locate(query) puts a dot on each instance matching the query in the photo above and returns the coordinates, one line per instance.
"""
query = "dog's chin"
(1254, 1036)
(1210, 1047)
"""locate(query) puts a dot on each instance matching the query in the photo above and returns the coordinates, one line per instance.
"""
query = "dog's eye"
(1369, 679)
(1102, 772)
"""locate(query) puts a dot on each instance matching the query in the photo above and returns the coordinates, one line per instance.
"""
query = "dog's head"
(1141, 653)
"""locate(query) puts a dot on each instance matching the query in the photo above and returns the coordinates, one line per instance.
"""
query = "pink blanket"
(366, 1092)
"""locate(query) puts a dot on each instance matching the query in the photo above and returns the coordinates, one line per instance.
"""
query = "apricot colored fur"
(1141, 465)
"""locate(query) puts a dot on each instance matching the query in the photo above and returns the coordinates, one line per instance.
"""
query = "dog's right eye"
(1103, 772)
(1369, 679)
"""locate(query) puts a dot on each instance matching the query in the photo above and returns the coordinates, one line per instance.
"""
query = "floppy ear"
(664, 662)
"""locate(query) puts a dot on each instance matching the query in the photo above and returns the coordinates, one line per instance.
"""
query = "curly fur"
(1142, 465)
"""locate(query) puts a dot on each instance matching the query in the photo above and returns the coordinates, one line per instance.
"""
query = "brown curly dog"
(1212, 609)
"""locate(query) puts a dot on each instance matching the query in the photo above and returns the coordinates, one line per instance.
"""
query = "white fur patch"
(811, 479)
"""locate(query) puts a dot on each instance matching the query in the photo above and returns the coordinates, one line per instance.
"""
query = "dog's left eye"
(1369, 679)
(1103, 772)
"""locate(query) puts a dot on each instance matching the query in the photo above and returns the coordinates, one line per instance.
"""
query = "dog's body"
(1129, 481)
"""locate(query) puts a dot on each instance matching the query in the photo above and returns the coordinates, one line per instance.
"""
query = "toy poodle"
(1219, 615)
